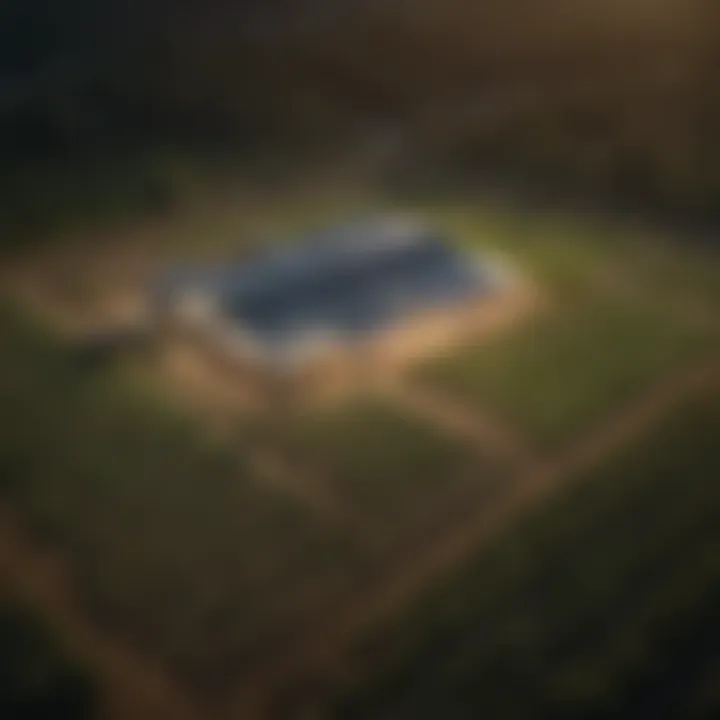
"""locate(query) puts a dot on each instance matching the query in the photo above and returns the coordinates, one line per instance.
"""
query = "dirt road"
(483, 432)
(133, 686)
(319, 655)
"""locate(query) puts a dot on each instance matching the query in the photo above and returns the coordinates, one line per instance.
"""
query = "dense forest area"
(619, 99)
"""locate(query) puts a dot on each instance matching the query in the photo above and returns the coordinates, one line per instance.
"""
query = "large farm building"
(338, 305)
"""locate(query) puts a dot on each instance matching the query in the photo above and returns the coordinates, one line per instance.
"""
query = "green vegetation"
(564, 370)
(202, 111)
(39, 680)
(601, 604)
(578, 257)
(176, 542)
(624, 308)
(394, 473)
(172, 537)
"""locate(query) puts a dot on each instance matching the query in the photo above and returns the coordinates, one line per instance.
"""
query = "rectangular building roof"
(345, 283)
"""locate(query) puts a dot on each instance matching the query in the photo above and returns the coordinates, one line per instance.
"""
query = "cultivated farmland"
(257, 557)
(396, 477)
(588, 608)
(619, 319)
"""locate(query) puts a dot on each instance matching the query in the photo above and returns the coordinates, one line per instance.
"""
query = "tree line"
(616, 98)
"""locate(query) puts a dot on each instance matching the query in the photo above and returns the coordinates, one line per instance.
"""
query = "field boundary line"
(269, 469)
(309, 664)
(481, 430)
(638, 416)
(131, 685)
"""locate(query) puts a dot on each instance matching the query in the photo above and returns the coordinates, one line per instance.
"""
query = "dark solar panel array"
(353, 294)
(349, 282)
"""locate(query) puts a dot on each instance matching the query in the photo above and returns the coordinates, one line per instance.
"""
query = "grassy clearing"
(172, 538)
(579, 258)
(395, 473)
(567, 369)
(180, 546)
(625, 310)
(601, 604)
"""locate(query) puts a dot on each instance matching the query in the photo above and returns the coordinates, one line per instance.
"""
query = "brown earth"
(133, 686)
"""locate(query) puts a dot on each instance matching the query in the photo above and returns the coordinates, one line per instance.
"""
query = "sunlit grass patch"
(388, 468)
(593, 604)
(577, 257)
(170, 535)
(569, 367)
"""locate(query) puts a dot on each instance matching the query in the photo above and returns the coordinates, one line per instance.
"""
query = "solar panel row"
(347, 283)
(356, 296)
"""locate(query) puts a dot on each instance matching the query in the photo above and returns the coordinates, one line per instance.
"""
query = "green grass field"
(575, 612)
(178, 543)
(170, 536)
(569, 368)
(623, 312)
(396, 475)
